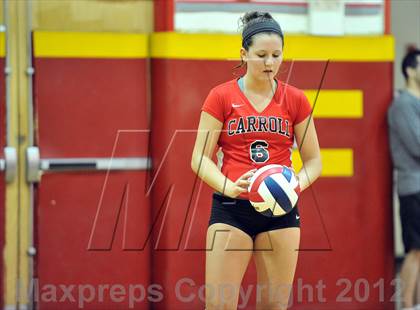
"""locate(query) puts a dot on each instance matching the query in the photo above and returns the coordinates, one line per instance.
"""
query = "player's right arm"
(201, 163)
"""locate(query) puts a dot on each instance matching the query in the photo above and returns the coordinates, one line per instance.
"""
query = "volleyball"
(274, 190)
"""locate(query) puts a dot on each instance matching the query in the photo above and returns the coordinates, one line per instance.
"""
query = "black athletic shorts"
(241, 214)
(410, 221)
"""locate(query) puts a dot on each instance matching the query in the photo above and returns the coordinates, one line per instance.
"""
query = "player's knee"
(219, 305)
(271, 305)
(226, 298)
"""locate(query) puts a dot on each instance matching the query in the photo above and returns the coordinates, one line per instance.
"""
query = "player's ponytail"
(257, 16)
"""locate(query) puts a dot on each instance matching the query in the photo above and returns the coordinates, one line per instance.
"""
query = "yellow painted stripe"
(2, 44)
(346, 48)
(226, 47)
(205, 46)
(90, 45)
(337, 103)
(335, 162)
(195, 46)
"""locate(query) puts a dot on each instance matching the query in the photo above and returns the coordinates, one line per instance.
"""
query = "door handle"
(37, 166)
(9, 163)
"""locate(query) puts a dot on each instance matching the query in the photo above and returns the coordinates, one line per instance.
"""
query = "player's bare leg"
(229, 251)
(276, 267)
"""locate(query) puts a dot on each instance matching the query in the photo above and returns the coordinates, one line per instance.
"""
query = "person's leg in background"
(417, 307)
(409, 275)
(410, 270)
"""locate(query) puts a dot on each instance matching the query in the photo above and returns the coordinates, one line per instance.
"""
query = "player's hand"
(241, 184)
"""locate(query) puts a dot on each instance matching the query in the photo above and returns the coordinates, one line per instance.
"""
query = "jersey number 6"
(258, 151)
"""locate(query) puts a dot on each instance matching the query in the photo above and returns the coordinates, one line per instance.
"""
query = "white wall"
(320, 17)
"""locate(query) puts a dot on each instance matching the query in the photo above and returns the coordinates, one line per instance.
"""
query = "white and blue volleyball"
(274, 190)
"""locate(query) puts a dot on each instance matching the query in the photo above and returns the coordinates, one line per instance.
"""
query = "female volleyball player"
(254, 120)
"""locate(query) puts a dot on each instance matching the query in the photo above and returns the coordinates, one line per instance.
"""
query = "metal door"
(89, 167)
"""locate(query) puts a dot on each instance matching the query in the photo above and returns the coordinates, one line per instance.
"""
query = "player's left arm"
(307, 141)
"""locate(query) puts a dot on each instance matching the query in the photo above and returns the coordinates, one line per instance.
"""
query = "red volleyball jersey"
(252, 139)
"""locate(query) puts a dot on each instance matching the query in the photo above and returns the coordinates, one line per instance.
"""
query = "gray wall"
(405, 26)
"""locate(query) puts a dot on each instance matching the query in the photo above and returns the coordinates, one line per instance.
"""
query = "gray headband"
(269, 25)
